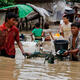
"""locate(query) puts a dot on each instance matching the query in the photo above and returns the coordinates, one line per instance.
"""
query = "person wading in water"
(74, 41)
(10, 34)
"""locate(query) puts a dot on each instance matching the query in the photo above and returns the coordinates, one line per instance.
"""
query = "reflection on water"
(7, 69)
(35, 69)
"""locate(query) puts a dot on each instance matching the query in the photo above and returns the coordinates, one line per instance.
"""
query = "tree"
(6, 2)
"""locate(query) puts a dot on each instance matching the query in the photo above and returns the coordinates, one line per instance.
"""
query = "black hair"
(75, 24)
(10, 15)
(66, 16)
(37, 24)
(46, 26)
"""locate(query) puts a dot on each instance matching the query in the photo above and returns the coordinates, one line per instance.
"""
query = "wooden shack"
(46, 4)
(77, 8)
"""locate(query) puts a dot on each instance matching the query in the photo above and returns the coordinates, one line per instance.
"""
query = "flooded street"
(35, 69)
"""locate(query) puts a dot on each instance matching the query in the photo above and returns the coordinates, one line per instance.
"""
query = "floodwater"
(22, 68)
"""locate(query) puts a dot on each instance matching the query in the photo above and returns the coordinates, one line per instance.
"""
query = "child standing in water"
(65, 27)
(37, 32)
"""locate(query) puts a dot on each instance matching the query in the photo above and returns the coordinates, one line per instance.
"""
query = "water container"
(60, 44)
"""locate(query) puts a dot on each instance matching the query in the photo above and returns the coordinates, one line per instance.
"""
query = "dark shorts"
(3, 53)
(40, 39)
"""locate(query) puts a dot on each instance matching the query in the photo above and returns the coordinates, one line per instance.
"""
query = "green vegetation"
(75, 1)
(6, 2)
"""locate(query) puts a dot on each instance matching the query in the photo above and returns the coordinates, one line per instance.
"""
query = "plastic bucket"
(60, 44)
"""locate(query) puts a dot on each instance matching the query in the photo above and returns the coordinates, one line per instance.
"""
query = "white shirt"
(66, 29)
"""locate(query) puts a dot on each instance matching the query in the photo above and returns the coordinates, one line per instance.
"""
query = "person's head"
(37, 25)
(46, 26)
(11, 18)
(65, 18)
(75, 28)
(16, 23)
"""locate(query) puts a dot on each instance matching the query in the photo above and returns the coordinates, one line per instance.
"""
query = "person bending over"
(74, 41)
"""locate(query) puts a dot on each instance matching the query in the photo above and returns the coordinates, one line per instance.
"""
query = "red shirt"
(11, 36)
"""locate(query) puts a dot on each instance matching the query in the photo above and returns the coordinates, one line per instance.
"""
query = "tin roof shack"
(77, 8)
(46, 4)
(16, 9)
(25, 22)
(4, 12)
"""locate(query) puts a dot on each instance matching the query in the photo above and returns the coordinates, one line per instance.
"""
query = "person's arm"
(62, 34)
(43, 33)
(33, 32)
(17, 39)
(73, 54)
(74, 51)
(32, 37)
(51, 35)
(21, 48)
(61, 30)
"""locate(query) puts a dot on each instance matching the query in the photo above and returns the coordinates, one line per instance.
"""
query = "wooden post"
(20, 24)
(39, 20)
(30, 26)
(26, 24)
(42, 23)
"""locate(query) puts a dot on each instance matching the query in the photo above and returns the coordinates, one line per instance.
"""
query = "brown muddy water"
(35, 69)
